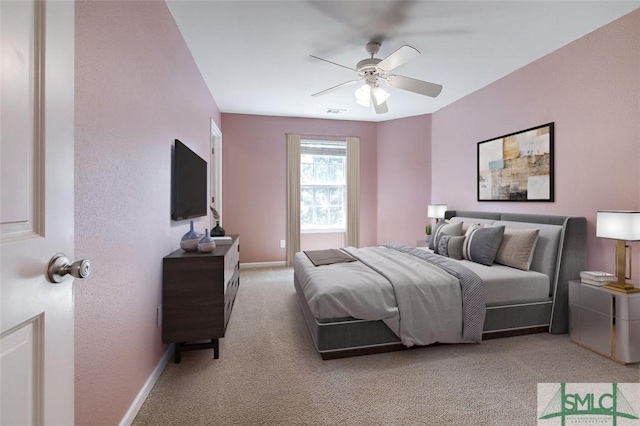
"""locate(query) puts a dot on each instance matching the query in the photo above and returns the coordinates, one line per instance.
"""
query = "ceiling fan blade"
(380, 109)
(334, 63)
(331, 89)
(413, 85)
(399, 57)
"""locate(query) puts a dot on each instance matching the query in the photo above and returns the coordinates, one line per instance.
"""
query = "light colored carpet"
(270, 374)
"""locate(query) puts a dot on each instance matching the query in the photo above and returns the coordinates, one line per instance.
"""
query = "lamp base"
(625, 288)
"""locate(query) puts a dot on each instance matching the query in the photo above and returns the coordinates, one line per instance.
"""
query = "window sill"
(323, 231)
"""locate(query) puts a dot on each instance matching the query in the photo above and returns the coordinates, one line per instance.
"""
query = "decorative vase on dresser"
(190, 240)
(217, 231)
(207, 244)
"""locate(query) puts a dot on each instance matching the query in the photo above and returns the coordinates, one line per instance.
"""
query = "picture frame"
(518, 166)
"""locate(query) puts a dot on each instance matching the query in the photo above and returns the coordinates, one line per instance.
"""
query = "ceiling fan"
(371, 70)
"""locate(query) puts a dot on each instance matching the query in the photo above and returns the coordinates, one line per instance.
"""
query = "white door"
(36, 211)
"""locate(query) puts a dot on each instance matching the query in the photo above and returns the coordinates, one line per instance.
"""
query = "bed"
(393, 297)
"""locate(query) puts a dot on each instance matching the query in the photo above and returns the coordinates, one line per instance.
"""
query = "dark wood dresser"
(198, 291)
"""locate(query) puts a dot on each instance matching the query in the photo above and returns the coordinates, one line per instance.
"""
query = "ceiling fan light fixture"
(379, 95)
(363, 95)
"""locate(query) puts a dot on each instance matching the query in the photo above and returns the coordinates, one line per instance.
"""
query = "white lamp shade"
(618, 225)
(436, 211)
(363, 95)
(380, 95)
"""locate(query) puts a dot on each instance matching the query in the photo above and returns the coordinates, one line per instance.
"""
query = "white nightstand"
(605, 321)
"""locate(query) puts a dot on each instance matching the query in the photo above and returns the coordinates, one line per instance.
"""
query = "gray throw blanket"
(473, 306)
(328, 257)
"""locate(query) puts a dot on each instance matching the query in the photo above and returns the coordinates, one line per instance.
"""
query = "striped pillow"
(481, 244)
(454, 229)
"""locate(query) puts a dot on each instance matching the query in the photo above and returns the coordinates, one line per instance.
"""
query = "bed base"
(348, 337)
(394, 347)
(345, 337)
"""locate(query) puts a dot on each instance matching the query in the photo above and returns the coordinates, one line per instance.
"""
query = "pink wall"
(591, 90)
(137, 89)
(404, 179)
(254, 178)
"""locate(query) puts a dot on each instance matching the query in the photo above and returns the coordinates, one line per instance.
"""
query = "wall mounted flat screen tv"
(189, 184)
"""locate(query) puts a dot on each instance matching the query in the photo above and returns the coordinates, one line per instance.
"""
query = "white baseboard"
(132, 412)
(277, 264)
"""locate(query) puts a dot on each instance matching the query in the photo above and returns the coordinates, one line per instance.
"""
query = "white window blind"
(322, 186)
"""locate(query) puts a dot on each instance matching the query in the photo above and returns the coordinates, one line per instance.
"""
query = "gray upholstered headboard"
(571, 255)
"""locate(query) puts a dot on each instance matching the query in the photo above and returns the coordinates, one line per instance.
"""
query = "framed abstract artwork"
(517, 166)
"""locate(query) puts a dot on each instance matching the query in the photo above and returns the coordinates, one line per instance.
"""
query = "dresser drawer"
(231, 261)
(230, 297)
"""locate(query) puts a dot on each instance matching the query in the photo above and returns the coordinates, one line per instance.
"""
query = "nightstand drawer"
(628, 308)
(595, 331)
(628, 350)
(594, 299)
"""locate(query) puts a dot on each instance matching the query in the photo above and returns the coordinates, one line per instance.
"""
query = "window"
(322, 186)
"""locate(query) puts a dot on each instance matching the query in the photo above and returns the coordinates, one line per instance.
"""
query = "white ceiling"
(254, 55)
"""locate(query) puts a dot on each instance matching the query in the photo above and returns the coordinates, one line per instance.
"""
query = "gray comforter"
(420, 299)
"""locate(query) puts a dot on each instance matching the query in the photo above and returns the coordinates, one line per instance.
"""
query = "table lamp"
(621, 225)
(436, 211)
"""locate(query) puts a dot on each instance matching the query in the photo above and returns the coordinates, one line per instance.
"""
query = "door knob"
(60, 266)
